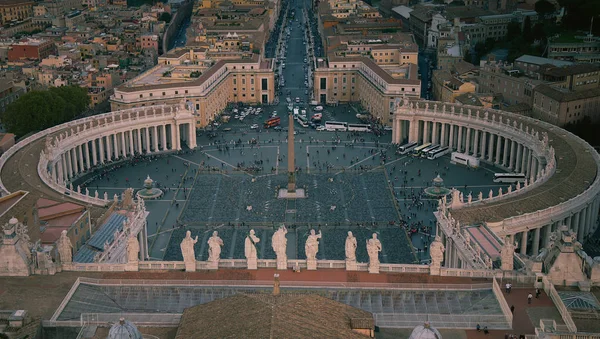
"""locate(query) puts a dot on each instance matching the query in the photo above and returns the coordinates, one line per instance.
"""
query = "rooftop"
(530, 59)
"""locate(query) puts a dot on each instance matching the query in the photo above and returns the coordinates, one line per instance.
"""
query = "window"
(234, 81)
(176, 92)
(335, 80)
(265, 84)
(141, 95)
(323, 83)
(252, 81)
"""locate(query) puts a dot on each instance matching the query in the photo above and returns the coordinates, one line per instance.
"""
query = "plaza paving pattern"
(203, 190)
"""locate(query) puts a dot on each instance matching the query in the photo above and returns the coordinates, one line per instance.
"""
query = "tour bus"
(336, 126)
(438, 152)
(359, 128)
(509, 177)
(407, 148)
(302, 120)
(463, 159)
(428, 149)
(272, 122)
(419, 149)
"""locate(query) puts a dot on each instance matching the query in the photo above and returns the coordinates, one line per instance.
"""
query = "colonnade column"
(108, 148)
(69, 163)
(518, 159)
(131, 144)
(139, 140)
(505, 158)
(536, 242)
(192, 136)
(74, 160)
(498, 148)
(524, 242)
(451, 139)
(490, 153)
(533, 169)
(155, 138)
(434, 134)
(443, 134)
(123, 145)
(581, 227)
(524, 159)
(459, 144)
(483, 144)
(86, 150)
(164, 137)
(101, 154)
(425, 132)
(80, 156)
(61, 169)
(94, 156)
(476, 143)
(468, 141)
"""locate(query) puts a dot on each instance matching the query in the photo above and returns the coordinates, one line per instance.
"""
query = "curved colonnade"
(562, 186)
(73, 148)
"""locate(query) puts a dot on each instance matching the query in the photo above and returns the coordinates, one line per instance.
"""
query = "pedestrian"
(485, 331)
(478, 328)
(529, 297)
(537, 293)
(512, 309)
(509, 287)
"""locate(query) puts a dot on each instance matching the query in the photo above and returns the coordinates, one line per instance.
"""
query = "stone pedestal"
(190, 266)
(282, 264)
(351, 265)
(435, 270)
(212, 265)
(311, 264)
(252, 263)
(374, 269)
(133, 267)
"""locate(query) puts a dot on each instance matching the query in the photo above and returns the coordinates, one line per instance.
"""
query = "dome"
(124, 330)
(425, 332)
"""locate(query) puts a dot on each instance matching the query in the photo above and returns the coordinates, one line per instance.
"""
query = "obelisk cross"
(291, 162)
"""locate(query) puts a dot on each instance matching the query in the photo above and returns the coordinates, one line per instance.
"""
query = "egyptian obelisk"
(291, 162)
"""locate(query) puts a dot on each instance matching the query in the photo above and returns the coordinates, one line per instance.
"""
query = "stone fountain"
(149, 191)
(437, 190)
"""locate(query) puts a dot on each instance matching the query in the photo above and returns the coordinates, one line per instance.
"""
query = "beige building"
(502, 79)
(361, 79)
(207, 87)
(446, 86)
(15, 10)
(560, 106)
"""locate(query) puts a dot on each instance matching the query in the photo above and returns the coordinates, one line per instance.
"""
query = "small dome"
(124, 330)
(13, 221)
(425, 332)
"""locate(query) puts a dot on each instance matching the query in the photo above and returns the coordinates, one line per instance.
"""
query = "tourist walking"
(529, 297)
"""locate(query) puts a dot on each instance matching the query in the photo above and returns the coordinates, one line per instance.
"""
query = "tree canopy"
(544, 7)
(38, 110)
(165, 16)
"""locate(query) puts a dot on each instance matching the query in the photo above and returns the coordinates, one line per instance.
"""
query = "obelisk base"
(311, 264)
(298, 193)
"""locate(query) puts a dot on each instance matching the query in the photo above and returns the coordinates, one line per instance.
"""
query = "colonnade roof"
(576, 170)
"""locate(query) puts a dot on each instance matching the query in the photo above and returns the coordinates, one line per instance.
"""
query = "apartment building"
(15, 10)
(531, 65)
(577, 48)
(32, 49)
(561, 106)
(376, 87)
(498, 78)
(447, 86)
(386, 49)
(208, 86)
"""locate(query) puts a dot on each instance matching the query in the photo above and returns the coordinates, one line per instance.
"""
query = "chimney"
(276, 284)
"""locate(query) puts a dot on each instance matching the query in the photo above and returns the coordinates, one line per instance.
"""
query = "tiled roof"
(106, 232)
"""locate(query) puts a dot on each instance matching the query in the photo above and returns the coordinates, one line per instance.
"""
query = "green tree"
(38, 110)
(166, 17)
(544, 7)
(578, 14)
(527, 34)
(513, 30)
(538, 31)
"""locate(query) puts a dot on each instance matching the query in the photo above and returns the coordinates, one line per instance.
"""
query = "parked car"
(255, 126)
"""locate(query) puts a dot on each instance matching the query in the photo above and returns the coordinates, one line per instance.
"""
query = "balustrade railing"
(560, 305)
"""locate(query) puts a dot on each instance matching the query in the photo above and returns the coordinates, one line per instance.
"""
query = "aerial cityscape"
(300, 169)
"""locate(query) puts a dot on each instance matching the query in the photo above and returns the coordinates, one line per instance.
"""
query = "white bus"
(438, 152)
(302, 120)
(407, 148)
(359, 128)
(336, 126)
(463, 159)
(428, 149)
(419, 149)
(509, 177)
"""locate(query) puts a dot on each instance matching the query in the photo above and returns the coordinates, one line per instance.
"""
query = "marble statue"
(65, 248)
(105, 196)
(279, 244)
(480, 196)
(133, 250)
(214, 248)
(510, 189)
(187, 251)
(373, 249)
(311, 247)
(469, 198)
(350, 252)
(506, 254)
(500, 191)
(437, 250)
(250, 250)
